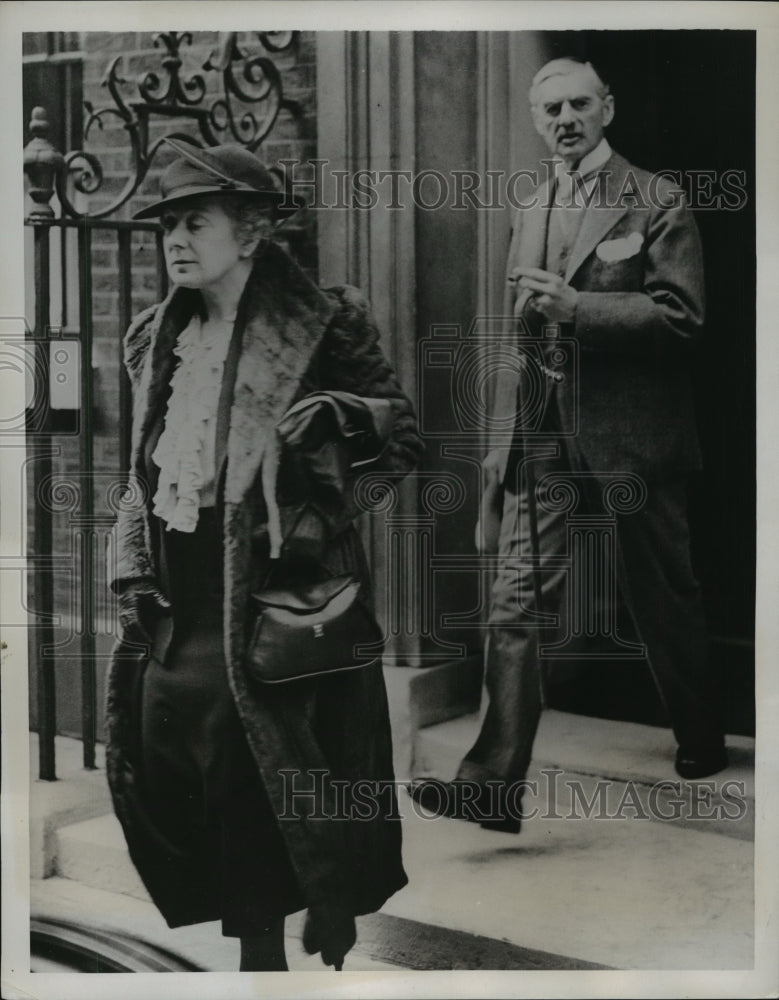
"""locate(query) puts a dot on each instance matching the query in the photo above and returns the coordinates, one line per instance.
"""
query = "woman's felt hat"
(229, 169)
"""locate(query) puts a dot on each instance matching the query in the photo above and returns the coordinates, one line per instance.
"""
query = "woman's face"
(201, 248)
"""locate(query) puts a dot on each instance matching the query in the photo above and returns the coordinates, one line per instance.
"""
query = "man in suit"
(608, 255)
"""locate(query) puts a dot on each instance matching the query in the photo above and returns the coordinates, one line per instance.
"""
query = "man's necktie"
(570, 200)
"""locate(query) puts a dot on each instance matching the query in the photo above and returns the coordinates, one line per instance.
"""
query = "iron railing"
(42, 451)
(244, 111)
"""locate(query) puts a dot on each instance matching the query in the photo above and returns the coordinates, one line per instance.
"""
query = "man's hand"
(136, 600)
(550, 295)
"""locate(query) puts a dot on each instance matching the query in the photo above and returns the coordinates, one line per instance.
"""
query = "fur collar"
(281, 318)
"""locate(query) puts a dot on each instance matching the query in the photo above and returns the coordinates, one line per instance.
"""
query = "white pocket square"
(612, 250)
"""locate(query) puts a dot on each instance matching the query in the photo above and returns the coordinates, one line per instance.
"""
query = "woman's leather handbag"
(319, 628)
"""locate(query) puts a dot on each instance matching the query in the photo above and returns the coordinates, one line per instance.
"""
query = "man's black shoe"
(435, 796)
(508, 825)
(464, 800)
(702, 763)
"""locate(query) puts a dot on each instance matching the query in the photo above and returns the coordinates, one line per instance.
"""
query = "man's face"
(570, 115)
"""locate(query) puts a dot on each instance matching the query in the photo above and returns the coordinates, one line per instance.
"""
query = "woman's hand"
(329, 929)
(137, 599)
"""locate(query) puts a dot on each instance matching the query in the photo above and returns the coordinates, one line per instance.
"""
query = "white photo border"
(17, 981)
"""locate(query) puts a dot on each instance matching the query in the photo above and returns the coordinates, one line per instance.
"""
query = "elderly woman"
(232, 792)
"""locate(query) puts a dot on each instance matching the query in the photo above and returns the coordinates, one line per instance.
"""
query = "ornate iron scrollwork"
(252, 96)
(187, 92)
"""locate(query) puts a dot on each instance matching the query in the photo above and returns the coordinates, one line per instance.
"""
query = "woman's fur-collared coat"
(294, 338)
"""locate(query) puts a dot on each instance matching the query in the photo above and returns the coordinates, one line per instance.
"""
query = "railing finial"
(42, 162)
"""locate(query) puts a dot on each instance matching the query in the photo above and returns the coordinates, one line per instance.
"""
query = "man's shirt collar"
(591, 163)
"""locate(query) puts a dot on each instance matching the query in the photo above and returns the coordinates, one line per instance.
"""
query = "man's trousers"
(655, 577)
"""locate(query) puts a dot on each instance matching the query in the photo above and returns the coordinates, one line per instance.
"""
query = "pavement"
(615, 866)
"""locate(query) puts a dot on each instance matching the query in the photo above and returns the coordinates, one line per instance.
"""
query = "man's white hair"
(562, 67)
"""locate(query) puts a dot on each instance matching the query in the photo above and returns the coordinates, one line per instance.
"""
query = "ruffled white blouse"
(186, 450)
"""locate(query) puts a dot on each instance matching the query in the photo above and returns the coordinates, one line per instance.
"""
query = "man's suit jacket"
(637, 265)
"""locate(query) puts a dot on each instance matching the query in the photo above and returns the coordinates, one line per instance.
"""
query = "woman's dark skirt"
(201, 784)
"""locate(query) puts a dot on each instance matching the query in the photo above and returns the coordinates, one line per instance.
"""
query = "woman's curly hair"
(253, 219)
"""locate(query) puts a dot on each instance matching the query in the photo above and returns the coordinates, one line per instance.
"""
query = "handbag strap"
(280, 560)
(270, 470)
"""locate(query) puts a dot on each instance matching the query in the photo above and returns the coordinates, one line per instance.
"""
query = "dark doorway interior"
(685, 101)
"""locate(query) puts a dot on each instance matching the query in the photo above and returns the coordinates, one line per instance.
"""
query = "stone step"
(385, 943)
(94, 853)
(476, 884)
(75, 796)
(586, 751)
(202, 944)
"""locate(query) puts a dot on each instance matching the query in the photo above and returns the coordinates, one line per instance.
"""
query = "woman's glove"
(324, 435)
(138, 602)
(329, 929)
